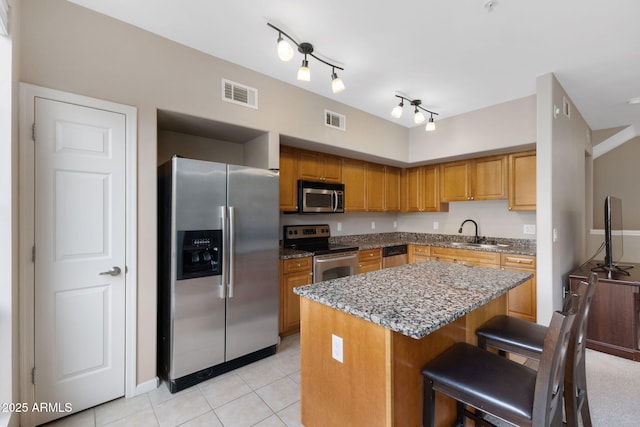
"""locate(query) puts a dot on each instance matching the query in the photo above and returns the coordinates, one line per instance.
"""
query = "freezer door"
(252, 304)
(197, 311)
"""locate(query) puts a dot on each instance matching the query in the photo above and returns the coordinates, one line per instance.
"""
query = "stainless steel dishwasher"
(394, 256)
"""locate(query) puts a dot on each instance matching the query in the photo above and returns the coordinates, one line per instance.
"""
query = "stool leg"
(428, 404)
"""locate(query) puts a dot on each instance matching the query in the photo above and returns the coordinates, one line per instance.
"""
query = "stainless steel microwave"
(320, 197)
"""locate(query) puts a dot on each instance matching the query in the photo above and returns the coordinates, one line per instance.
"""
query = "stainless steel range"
(330, 261)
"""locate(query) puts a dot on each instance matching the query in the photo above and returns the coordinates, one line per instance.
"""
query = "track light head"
(304, 73)
(285, 51)
(431, 125)
(397, 110)
(337, 85)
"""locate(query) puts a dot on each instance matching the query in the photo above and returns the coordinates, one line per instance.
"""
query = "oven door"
(332, 266)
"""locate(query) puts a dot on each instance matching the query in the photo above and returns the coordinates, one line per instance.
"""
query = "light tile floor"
(263, 394)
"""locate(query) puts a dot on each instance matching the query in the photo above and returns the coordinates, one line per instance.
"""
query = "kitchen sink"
(477, 245)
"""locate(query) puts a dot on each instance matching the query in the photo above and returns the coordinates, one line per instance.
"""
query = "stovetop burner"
(312, 238)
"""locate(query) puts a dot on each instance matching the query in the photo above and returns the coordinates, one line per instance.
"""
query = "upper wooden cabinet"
(314, 166)
(354, 176)
(375, 187)
(420, 191)
(288, 179)
(392, 186)
(522, 181)
(484, 178)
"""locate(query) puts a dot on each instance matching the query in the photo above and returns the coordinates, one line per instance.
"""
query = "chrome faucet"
(476, 238)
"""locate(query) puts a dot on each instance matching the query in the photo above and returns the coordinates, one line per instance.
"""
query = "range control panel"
(295, 232)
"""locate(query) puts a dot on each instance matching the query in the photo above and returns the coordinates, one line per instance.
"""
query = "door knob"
(113, 272)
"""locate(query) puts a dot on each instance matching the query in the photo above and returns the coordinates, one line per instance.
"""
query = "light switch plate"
(529, 229)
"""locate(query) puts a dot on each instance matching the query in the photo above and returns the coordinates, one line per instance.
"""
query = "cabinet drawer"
(370, 254)
(465, 255)
(518, 261)
(296, 264)
(421, 250)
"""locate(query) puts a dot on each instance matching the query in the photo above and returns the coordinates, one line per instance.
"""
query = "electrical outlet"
(529, 229)
(435, 225)
(395, 224)
(336, 348)
(373, 225)
(339, 226)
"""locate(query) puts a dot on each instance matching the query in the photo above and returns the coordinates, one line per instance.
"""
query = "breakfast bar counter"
(365, 338)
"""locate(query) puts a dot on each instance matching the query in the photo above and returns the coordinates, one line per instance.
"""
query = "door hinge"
(33, 375)
(33, 132)
(33, 254)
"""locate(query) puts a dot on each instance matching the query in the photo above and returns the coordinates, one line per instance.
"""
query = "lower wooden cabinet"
(522, 299)
(465, 256)
(418, 253)
(293, 273)
(369, 260)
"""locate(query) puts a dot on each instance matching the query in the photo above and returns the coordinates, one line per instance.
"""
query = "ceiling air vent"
(335, 120)
(239, 94)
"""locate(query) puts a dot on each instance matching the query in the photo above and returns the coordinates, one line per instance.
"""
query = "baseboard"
(147, 386)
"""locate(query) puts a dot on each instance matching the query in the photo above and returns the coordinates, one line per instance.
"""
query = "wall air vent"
(239, 94)
(335, 120)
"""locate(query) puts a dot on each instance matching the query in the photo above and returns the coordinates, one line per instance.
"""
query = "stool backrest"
(579, 333)
(547, 402)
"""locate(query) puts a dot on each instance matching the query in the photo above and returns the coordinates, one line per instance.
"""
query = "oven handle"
(320, 260)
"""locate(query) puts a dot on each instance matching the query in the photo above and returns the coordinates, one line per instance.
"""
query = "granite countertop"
(381, 240)
(414, 299)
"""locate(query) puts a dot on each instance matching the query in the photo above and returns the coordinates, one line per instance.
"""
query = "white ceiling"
(454, 55)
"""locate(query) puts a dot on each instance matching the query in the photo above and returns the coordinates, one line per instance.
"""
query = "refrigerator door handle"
(232, 241)
(222, 289)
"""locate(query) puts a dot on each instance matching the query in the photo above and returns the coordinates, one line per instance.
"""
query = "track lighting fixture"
(418, 116)
(285, 53)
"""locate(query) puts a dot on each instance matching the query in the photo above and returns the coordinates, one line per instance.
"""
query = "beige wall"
(69, 48)
(492, 129)
(563, 163)
(616, 172)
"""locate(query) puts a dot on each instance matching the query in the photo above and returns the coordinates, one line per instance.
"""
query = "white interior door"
(79, 255)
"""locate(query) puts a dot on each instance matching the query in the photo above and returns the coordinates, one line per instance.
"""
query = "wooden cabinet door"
(430, 190)
(522, 299)
(369, 260)
(294, 273)
(309, 165)
(331, 168)
(288, 179)
(375, 187)
(489, 178)
(522, 181)
(391, 189)
(419, 253)
(412, 193)
(354, 174)
(454, 182)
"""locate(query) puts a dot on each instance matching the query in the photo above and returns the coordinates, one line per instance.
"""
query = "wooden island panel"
(380, 381)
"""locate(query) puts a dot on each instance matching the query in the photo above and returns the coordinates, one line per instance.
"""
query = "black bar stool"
(512, 335)
(496, 385)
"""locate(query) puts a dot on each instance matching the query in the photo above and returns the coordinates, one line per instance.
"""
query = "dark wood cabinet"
(614, 314)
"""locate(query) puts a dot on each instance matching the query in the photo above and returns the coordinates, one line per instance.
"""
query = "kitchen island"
(384, 326)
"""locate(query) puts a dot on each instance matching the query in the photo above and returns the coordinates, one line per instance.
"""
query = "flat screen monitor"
(613, 232)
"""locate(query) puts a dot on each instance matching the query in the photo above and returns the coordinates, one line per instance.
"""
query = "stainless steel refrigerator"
(217, 268)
